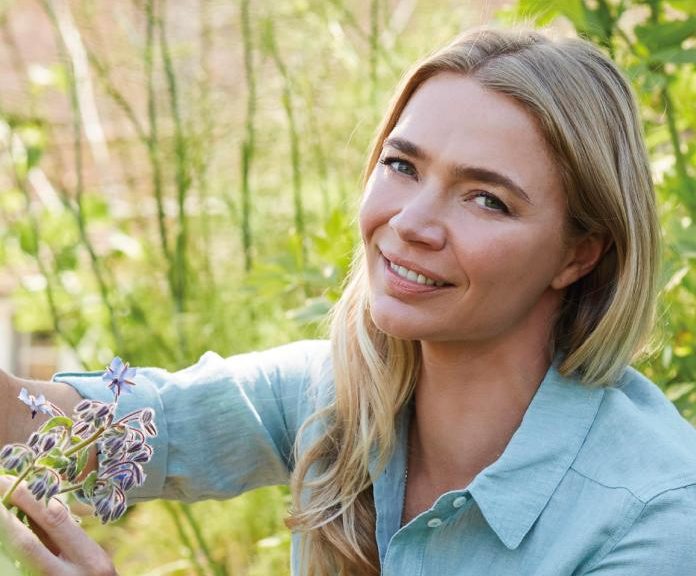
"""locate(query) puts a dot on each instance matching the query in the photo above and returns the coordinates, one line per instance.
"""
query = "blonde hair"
(589, 117)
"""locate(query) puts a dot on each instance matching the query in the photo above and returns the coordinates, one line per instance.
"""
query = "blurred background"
(182, 176)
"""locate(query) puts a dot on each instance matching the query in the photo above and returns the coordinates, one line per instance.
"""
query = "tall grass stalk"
(681, 162)
(217, 568)
(78, 209)
(205, 118)
(153, 139)
(318, 155)
(183, 176)
(173, 511)
(249, 142)
(294, 138)
(374, 53)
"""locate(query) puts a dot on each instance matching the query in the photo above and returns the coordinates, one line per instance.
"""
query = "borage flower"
(36, 405)
(118, 374)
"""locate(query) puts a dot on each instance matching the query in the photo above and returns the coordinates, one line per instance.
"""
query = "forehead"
(455, 120)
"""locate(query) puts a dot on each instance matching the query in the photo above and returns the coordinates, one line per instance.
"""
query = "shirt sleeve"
(660, 541)
(224, 425)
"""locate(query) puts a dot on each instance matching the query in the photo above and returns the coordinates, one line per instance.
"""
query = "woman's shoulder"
(639, 441)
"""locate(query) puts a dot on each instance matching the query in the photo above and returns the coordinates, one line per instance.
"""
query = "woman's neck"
(469, 400)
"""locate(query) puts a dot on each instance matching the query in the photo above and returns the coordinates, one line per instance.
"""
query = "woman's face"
(463, 218)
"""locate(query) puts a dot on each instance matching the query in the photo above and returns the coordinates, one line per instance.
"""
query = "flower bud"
(83, 405)
(49, 442)
(117, 511)
(38, 487)
(103, 411)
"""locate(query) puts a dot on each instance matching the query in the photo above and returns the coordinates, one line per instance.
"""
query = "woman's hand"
(57, 546)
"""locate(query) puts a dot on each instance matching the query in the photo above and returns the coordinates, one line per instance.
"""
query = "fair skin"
(56, 545)
(467, 195)
(503, 259)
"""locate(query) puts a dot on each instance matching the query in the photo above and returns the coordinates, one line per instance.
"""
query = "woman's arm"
(16, 423)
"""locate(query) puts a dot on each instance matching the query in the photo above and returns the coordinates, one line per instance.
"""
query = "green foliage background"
(219, 211)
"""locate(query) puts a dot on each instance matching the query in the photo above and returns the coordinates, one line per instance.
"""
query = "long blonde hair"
(589, 117)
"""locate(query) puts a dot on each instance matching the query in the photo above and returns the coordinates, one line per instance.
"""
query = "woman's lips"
(410, 281)
(414, 273)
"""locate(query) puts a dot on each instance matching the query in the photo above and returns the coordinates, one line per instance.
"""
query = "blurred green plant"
(654, 41)
(216, 210)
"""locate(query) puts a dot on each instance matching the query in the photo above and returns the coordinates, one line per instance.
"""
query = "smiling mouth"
(414, 276)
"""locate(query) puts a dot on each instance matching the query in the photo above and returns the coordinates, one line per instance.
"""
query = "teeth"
(414, 276)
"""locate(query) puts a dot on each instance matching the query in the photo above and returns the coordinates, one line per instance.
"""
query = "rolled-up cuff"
(143, 395)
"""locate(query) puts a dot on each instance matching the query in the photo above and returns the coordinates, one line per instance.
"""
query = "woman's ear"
(583, 255)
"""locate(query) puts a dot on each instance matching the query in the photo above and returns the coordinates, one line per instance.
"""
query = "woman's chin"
(397, 326)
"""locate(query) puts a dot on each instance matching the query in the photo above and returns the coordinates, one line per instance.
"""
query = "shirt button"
(434, 523)
(459, 501)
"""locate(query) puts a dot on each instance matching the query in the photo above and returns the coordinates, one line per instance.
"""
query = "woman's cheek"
(373, 210)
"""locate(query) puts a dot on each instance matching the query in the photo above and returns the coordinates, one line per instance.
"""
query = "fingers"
(24, 545)
(59, 531)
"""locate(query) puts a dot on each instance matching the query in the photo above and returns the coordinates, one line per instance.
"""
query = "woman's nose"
(419, 222)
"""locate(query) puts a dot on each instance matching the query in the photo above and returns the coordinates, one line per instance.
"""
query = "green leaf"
(27, 238)
(34, 154)
(82, 459)
(675, 56)
(54, 459)
(55, 422)
(89, 483)
(658, 37)
(545, 11)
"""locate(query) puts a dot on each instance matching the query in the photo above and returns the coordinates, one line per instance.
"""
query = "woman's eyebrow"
(460, 171)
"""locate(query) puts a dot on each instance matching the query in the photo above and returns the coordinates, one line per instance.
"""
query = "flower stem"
(22, 476)
(86, 442)
(70, 488)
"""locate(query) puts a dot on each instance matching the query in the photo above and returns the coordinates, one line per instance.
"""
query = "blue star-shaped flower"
(118, 374)
(39, 404)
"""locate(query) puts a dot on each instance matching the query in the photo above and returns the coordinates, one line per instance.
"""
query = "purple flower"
(39, 404)
(45, 484)
(118, 374)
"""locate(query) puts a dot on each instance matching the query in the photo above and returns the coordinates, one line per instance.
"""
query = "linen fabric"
(595, 481)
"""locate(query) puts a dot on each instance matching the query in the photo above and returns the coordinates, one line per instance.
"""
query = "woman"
(474, 412)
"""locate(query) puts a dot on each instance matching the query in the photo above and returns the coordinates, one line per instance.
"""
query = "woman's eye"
(399, 165)
(490, 202)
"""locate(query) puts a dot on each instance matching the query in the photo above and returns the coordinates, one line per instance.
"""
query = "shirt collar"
(512, 492)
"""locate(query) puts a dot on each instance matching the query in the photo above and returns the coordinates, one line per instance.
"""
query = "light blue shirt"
(595, 481)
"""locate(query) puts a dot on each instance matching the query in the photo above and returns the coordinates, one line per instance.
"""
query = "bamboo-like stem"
(680, 159)
(248, 145)
(349, 18)
(150, 144)
(73, 50)
(294, 142)
(218, 569)
(183, 184)
(171, 508)
(374, 52)
(319, 157)
(153, 140)
(116, 95)
(78, 210)
(202, 163)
